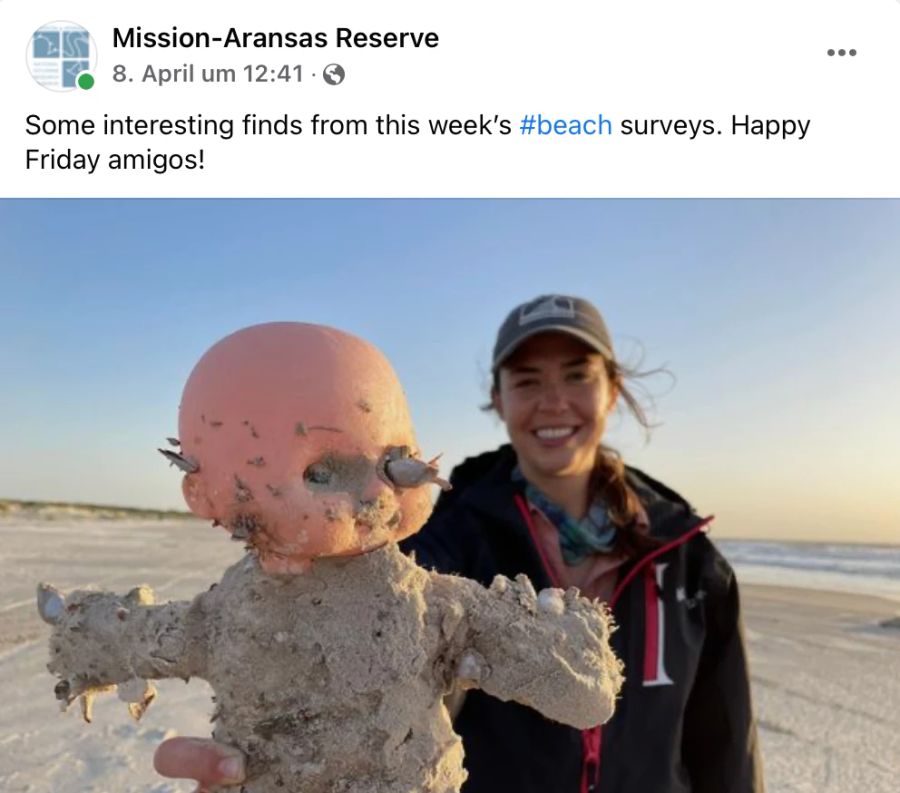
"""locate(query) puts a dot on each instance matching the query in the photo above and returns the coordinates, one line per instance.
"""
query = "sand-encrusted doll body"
(328, 651)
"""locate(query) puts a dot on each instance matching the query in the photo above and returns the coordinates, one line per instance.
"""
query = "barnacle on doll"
(328, 650)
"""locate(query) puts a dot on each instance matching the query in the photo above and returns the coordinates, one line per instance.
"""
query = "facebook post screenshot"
(481, 397)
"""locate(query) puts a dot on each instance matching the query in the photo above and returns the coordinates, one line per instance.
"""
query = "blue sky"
(780, 321)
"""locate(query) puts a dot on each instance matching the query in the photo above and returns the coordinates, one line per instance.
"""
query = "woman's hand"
(211, 764)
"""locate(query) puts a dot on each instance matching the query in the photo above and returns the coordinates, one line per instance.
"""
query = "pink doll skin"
(328, 650)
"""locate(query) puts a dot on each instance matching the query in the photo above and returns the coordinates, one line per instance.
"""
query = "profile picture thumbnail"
(58, 53)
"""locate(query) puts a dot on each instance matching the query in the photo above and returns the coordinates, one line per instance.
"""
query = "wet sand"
(826, 687)
(825, 675)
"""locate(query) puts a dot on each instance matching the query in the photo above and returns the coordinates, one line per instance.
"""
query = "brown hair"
(607, 480)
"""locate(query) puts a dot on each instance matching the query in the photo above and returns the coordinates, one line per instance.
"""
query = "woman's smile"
(554, 396)
(553, 436)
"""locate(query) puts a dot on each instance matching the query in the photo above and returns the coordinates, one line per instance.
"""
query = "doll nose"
(374, 491)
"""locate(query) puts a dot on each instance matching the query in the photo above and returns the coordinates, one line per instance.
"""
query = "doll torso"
(332, 680)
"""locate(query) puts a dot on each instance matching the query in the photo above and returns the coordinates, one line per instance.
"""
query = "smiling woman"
(554, 395)
(554, 387)
(560, 507)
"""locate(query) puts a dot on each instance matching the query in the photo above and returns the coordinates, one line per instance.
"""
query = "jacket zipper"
(592, 739)
(590, 769)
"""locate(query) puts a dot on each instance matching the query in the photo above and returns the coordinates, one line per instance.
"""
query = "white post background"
(627, 60)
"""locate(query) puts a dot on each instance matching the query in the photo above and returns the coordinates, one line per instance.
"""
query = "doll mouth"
(366, 524)
(244, 527)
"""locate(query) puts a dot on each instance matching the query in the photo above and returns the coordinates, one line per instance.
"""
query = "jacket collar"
(486, 485)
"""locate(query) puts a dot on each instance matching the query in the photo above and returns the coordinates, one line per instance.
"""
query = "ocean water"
(862, 569)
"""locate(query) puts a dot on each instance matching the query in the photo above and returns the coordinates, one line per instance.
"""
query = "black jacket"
(683, 723)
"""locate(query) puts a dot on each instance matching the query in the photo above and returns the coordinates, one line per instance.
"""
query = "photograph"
(429, 495)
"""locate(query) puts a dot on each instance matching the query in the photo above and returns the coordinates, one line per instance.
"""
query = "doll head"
(290, 433)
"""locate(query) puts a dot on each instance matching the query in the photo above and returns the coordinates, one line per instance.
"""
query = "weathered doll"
(328, 650)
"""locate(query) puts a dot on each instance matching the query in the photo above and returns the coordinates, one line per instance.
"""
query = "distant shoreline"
(783, 541)
(10, 507)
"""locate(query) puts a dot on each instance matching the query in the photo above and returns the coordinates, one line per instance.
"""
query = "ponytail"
(608, 483)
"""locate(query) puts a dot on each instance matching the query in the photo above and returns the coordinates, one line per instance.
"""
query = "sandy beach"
(826, 684)
(826, 675)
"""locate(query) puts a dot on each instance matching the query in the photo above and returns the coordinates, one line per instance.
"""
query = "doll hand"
(548, 650)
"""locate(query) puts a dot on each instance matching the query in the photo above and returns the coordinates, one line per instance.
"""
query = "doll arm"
(549, 651)
(101, 641)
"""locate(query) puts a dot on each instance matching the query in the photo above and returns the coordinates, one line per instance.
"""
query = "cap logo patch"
(552, 307)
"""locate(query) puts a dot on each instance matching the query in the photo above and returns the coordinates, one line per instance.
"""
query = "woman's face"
(554, 396)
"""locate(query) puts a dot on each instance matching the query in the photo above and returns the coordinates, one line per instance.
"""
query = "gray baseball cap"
(572, 315)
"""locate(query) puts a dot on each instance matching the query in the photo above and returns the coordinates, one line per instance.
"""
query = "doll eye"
(391, 454)
(318, 474)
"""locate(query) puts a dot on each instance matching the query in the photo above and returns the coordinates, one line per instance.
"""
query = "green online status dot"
(86, 81)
